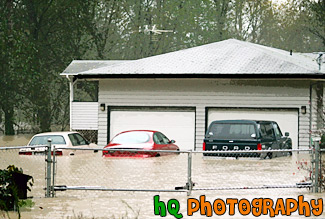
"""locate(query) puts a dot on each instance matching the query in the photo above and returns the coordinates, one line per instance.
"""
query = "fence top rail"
(21, 147)
(165, 151)
(297, 185)
(188, 151)
(252, 151)
(99, 188)
(125, 150)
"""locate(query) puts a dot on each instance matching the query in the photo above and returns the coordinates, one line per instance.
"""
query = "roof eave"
(201, 75)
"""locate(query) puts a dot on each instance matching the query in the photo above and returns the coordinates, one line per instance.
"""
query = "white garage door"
(287, 119)
(176, 125)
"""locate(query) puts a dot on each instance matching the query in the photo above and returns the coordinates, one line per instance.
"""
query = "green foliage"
(9, 194)
(317, 15)
(322, 140)
(11, 33)
(26, 204)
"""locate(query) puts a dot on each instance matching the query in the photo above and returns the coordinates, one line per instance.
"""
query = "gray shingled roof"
(77, 66)
(225, 57)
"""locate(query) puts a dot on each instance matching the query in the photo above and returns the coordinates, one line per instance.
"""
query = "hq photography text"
(255, 207)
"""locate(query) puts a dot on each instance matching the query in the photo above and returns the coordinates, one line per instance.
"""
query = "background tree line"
(38, 39)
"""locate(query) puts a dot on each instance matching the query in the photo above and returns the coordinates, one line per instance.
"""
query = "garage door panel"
(287, 119)
(179, 126)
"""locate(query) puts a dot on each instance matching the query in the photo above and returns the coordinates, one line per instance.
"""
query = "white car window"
(76, 139)
(42, 140)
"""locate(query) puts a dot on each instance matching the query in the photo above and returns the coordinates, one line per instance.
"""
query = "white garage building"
(180, 93)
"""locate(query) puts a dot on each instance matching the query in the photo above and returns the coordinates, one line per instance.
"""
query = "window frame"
(267, 136)
(78, 141)
(163, 137)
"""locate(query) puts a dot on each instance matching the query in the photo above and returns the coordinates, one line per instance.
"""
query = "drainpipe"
(72, 81)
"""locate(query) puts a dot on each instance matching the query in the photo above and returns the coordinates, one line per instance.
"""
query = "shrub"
(10, 189)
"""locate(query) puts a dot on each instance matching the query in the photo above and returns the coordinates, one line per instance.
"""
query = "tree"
(294, 32)
(104, 27)
(56, 31)
(13, 60)
(317, 26)
(250, 19)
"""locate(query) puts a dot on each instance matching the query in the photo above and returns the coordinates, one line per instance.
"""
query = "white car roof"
(55, 133)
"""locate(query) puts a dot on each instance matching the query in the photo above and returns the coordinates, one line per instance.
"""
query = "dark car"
(240, 135)
(146, 140)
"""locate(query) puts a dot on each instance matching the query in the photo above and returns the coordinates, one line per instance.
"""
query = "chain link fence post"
(48, 168)
(317, 154)
(312, 162)
(53, 173)
(189, 173)
(321, 169)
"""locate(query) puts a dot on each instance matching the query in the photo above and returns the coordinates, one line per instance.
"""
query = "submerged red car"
(140, 140)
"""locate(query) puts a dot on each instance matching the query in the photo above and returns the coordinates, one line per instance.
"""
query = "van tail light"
(204, 146)
(259, 146)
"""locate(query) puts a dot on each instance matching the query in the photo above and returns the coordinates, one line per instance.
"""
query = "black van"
(239, 135)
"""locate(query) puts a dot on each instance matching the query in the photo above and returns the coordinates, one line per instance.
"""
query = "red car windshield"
(131, 138)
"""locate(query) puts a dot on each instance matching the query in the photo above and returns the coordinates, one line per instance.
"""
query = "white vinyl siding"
(202, 93)
(84, 116)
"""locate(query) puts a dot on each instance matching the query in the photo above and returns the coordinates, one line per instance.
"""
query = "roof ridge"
(276, 52)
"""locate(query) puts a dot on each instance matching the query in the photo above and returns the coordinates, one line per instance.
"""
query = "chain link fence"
(249, 172)
(178, 171)
(92, 171)
(34, 166)
(183, 171)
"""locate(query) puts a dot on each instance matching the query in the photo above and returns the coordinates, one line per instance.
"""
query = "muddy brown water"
(160, 173)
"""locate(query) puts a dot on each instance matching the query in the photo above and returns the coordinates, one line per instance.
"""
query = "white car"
(59, 140)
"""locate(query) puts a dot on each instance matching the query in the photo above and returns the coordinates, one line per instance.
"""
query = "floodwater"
(14, 140)
(159, 173)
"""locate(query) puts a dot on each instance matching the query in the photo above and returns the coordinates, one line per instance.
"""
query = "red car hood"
(130, 146)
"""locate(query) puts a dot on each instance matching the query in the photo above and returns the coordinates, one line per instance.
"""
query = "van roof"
(240, 121)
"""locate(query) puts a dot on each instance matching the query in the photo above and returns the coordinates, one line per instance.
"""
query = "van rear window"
(231, 131)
